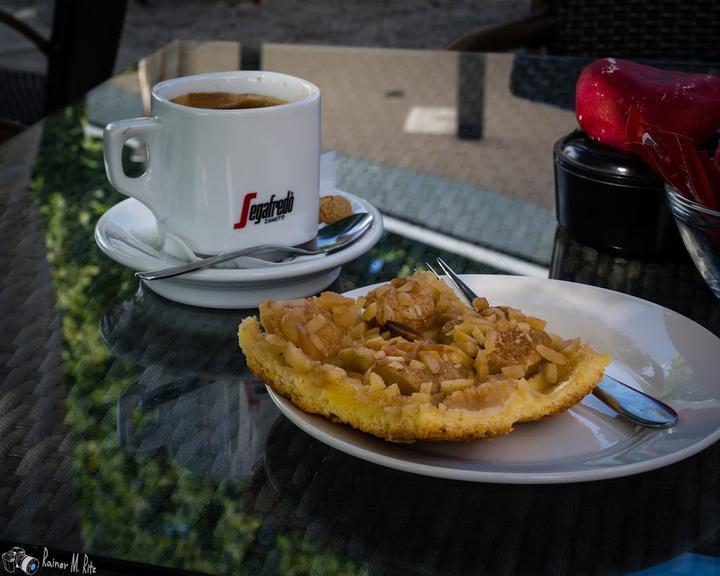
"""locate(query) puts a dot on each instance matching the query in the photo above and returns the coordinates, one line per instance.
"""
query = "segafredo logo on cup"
(264, 212)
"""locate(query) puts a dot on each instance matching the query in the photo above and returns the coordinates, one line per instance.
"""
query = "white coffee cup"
(227, 179)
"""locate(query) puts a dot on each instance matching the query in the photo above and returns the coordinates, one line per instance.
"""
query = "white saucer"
(654, 350)
(229, 287)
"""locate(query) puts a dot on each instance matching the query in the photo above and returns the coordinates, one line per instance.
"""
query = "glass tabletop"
(131, 429)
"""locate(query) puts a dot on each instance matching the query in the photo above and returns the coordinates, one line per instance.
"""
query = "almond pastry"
(410, 361)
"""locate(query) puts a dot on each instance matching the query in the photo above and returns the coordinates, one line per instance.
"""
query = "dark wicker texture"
(658, 29)
(22, 96)
(406, 524)
(551, 79)
(37, 496)
(677, 286)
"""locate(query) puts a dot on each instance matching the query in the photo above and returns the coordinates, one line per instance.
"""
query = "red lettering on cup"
(245, 210)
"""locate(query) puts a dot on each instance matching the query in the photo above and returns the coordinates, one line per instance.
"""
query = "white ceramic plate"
(654, 349)
(229, 287)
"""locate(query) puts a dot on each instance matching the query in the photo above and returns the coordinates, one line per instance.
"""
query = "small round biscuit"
(333, 208)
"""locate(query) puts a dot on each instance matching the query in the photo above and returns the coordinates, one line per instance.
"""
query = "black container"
(612, 200)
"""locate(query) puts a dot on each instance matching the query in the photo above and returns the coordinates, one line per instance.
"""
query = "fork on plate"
(634, 405)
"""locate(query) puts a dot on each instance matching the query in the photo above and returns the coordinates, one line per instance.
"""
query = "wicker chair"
(664, 33)
(80, 54)
(644, 29)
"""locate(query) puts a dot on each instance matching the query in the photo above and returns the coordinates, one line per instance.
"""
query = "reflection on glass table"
(131, 429)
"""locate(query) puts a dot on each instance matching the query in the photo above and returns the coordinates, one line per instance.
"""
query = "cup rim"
(688, 204)
(314, 92)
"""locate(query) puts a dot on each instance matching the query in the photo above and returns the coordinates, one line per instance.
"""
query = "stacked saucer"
(226, 287)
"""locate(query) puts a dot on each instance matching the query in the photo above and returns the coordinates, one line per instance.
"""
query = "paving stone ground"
(465, 212)
(151, 24)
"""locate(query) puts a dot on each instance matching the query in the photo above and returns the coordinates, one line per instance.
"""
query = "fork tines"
(455, 279)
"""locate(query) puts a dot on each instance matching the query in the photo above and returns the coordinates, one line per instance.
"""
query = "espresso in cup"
(227, 100)
(234, 160)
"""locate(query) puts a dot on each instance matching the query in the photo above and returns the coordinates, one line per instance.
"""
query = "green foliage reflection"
(144, 508)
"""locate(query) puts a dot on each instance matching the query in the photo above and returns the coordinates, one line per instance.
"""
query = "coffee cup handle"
(144, 188)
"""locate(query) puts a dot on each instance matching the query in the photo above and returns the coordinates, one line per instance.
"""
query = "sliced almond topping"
(370, 312)
(481, 365)
(297, 358)
(376, 342)
(460, 336)
(571, 346)
(388, 313)
(392, 391)
(405, 299)
(442, 303)
(416, 365)
(536, 323)
(346, 320)
(550, 354)
(356, 358)
(516, 372)
(306, 344)
(411, 354)
(407, 287)
(448, 386)
(318, 343)
(469, 347)
(551, 373)
(523, 326)
(480, 303)
(426, 387)
(557, 341)
(431, 359)
(289, 327)
(490, 340)
(457, 356)
(420, 398)
(357, 331)
(316, 323)
(499, 314)
(333, 298)
(276, 340)
(375, 381)
(334, 374)
(515, 314)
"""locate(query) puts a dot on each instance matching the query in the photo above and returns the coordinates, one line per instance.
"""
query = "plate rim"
(305, 422)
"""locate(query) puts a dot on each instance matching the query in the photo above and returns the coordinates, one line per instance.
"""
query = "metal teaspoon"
(330, 238)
